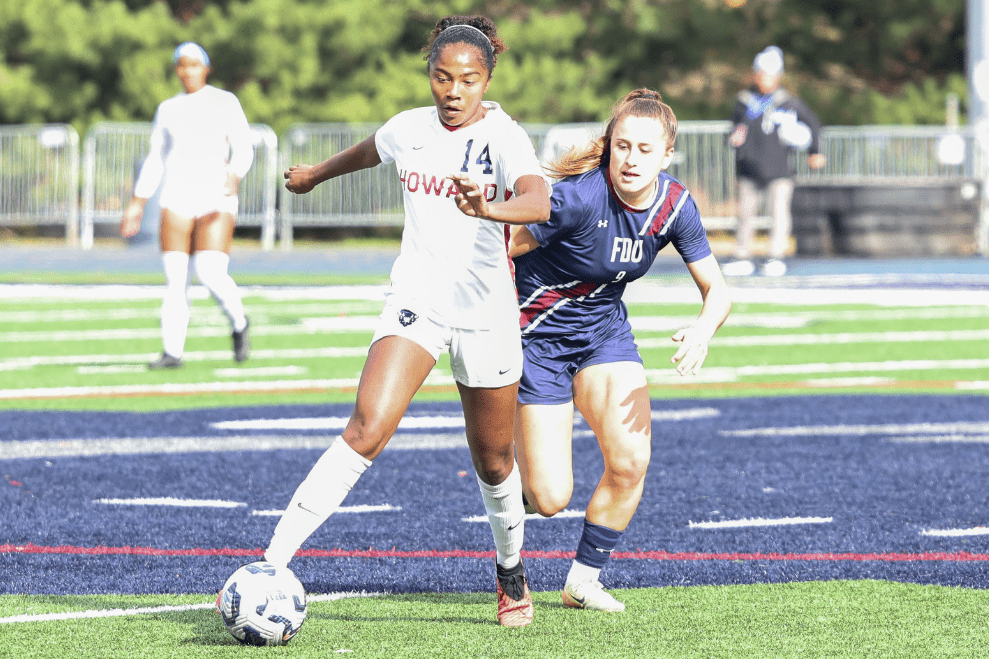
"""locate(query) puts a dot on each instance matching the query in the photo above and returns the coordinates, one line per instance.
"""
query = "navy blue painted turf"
(880, 495)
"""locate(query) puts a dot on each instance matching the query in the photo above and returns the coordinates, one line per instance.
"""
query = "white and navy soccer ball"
(262, 604)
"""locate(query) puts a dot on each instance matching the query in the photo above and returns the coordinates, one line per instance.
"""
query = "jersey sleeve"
(154, 164)
(241, 144)
(566, 213)
(689, 237)
(518, 158)
(384, 140)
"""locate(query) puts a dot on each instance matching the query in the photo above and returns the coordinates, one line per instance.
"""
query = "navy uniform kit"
(592, 246)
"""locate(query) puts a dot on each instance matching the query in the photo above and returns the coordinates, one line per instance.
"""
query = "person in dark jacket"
(769, 124)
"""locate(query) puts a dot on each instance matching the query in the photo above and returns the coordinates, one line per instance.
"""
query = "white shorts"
(197, 202)
(488, 358)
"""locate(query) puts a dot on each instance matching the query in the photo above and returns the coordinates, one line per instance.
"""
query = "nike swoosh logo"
(579, 600)
(416, 148)
(512, 528)
(503, 372)
(307, 510)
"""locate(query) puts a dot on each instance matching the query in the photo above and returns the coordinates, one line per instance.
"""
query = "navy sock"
(596, 544)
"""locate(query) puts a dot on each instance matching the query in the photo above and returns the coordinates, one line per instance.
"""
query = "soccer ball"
(262, 604)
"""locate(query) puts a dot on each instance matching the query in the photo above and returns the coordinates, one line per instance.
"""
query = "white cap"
(190, 49)
(769, 61)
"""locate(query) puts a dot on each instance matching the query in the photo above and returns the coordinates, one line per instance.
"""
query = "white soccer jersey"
(455, 265)
(196, 140)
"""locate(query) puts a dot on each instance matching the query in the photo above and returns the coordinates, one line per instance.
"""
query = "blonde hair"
(638, 103)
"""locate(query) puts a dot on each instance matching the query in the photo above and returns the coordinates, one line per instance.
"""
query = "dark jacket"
(764, 156)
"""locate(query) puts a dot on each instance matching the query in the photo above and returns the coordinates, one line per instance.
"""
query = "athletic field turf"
(819, 491)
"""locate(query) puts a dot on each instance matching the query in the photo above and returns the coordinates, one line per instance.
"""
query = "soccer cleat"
(773, 268)
(165, 361)
(514, 598)
(590, 595)
(738, 268)
(242, 343)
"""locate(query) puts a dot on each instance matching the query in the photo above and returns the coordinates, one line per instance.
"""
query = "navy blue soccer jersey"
(593, 245)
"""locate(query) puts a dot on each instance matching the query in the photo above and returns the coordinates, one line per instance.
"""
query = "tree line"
(854, 61)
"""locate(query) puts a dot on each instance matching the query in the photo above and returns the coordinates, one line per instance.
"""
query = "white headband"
(471, 27)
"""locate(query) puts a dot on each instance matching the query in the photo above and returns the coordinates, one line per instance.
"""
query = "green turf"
(813, 619)
(51, 329)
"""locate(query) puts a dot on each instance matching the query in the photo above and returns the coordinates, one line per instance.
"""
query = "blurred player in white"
(201, 148)
(467, 170)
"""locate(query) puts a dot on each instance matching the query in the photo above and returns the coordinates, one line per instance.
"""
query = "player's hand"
(737, 138)
(817, 160)
(470, 196)
(231, 185)
(692, 350)
(297, 179)
(131, 222)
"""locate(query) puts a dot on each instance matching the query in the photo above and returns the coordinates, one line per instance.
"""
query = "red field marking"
(458, 553)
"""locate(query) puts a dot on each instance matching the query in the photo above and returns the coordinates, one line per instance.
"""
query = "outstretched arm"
(303, 178)
(693, 341)
(529, 206)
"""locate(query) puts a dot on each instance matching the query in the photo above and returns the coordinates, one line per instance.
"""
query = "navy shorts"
(550, 362)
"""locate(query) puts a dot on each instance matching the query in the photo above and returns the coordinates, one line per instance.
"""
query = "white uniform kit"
(197, 139)
(453, 271)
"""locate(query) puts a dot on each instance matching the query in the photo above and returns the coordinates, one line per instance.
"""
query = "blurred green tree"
(855, 61)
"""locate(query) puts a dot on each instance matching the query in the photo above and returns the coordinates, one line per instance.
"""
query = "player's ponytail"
(637, 103)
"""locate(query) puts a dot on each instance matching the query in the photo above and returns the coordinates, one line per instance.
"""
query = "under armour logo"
(406, 317)
(602, 224)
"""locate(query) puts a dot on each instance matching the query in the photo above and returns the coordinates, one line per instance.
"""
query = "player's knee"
(628, 469)
(210, 267)
(548, 501)
(367, 436)
(493, 472)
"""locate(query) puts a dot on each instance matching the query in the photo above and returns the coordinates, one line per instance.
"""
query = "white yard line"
(73, 448)
(730, 374)
(335, 423)
(863, 429)
(956, 533)
(20, 363)
(655, 376)
(120, 292)
(144, 610)
(748, 523)
(563, 514)
(171, 502)
(383, 508)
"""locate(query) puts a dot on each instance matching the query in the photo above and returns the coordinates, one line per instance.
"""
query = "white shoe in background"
(773, 268)
(738, 268)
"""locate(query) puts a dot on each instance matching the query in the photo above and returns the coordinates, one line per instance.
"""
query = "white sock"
(506, 515)
(580, 573)
(175, 304)
(211, 269)
(318, 497)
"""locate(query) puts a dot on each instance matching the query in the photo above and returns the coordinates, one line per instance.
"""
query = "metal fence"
(40, 172)
(112, 156)
(39, 176)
